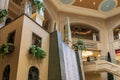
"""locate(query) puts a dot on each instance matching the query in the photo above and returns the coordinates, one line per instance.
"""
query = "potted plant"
(36, 51)
(80, 45)
(37, 4)
(6, 49)
(3, 14)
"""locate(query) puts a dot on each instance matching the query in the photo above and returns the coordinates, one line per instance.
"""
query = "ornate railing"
(110, 60)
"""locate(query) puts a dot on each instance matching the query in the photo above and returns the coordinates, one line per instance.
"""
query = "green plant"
(3, 14)
(37, 42)
(80, 45)
(36, 51)
(38, 4)
(6, 49)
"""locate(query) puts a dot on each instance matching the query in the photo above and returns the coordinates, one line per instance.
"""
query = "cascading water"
(71, 68)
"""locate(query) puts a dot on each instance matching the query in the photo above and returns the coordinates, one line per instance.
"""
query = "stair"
(102, 66)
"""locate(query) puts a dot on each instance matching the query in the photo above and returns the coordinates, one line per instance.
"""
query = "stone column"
(119, 35)
(4, 4)
(94, 37)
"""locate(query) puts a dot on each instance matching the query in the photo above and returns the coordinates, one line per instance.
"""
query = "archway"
(116, 36)
(33, 73)
(6, 73)
(84, 31)
(116, 33)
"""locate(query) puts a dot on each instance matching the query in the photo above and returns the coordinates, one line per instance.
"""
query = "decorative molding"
(83, 11)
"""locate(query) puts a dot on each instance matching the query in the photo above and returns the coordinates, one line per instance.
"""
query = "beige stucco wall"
(93, 76)
(11, 59)
(25, 59)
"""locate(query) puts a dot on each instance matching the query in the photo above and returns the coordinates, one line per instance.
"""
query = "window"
(11, 37)
(85, 32)
(6, 73)
(116, 32)
(17, 1)
(33, 73)
(36, 40)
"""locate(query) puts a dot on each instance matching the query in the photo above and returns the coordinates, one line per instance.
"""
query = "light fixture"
(87, 53)
(107, 5)
(67, 1)
(94, 3)
(80, 0)
(99, 55)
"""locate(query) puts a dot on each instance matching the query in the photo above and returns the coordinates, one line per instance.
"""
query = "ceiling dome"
(107, 5)
(67, 1)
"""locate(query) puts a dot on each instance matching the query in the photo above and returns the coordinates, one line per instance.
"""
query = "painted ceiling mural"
(101, 5)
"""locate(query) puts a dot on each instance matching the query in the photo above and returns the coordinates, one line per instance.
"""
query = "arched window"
(83, 31)
(6, 73)
(116, 32)
(33, 73)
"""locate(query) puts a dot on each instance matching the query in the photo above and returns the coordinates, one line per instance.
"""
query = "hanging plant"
(38, 4)
(36, 51)
(3, 14)
(6, 49)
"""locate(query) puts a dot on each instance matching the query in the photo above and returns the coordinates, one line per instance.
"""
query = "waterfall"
(71, 68)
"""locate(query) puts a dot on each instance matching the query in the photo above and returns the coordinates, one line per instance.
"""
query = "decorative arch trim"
(85, 23)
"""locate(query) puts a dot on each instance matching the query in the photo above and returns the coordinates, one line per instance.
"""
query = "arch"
(112, 27)
(6, 73)
(116, 32)
(85, 31)
(77, 21)
(85, 24)
(33, 73)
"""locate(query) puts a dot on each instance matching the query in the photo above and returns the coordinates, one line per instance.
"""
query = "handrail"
(106, 59)
(109, 60)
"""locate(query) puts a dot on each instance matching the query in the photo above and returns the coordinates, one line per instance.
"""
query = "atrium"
(60, 39)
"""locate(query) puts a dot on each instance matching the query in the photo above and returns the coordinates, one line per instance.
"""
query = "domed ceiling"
(101, 5)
